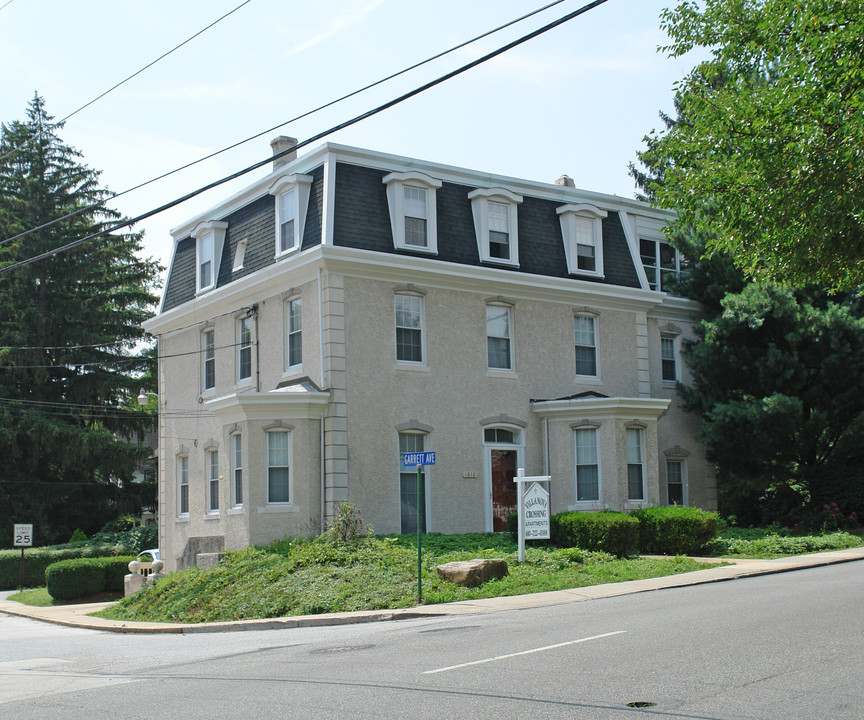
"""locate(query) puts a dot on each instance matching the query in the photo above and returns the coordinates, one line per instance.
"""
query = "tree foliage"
(70, 333)
(779, 380)
(767, 155)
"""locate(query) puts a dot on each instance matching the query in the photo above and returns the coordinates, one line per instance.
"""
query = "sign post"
(532, 509)
(419, 459)
(22, 537)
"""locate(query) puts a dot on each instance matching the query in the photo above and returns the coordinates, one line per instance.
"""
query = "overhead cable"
(303, 115)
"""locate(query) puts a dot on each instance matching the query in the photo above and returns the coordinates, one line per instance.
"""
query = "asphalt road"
(784, 646)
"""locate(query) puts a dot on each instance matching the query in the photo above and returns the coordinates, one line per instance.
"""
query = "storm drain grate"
(640, 704)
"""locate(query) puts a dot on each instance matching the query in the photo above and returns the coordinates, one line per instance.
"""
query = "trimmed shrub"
(675, 530)
(80, 577)
(36, 560)
(78, 537)
(606, 531)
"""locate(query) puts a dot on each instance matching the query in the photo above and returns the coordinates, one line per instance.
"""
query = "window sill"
(181, 519)
(499, 262)
(238, 510)
(414, 367)
(293, 371)
(586, 506)
(244, 384)
(502, 373)
(576, 274)
(280, 508)
(416, 249)
(286, 253)
(209, 517)
(588, 380)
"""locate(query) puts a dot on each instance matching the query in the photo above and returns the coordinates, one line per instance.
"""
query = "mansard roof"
(361, 220)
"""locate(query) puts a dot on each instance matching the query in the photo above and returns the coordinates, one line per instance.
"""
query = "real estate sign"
(536, 510)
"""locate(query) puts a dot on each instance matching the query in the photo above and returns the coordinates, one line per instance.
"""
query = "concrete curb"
(79, 615)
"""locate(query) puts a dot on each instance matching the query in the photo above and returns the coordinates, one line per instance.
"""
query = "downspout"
(257, 354)
(545, 446)
(323, 385)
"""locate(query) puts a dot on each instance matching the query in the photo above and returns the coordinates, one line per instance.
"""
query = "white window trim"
(182, 460)
(411, 292)
(210, 479)
(301, 185)
(287, 367)
(238, 333)
(236, 440)
(501, 303)
(657, 238)
(595, 378)
(675, 358)
(685, 495)
(587, 504)
(288, 430)
(212, 332)
(396, 182)
(208, 234)
(480, 200)
(239, 255)
(629, 502)
(567, 215)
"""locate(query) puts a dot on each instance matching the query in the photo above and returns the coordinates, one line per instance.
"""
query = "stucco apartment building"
(352, 305)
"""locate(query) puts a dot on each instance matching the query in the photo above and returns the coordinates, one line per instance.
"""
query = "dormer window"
(582, 230)
(209, 238)
(495, 225)
(413, 220)
(292, 200)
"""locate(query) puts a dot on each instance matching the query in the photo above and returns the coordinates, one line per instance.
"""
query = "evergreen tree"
(70, 329)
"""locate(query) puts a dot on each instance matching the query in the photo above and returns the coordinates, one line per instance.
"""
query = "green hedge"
(80, 577)
(607, 531)
(37, 559)
(675, 530)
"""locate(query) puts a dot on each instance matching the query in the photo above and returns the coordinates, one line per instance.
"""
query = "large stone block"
(471, 573)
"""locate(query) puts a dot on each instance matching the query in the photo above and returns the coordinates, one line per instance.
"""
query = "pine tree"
(70, 335)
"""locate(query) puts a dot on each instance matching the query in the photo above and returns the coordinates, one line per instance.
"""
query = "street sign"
(418, 458)
(23, 536)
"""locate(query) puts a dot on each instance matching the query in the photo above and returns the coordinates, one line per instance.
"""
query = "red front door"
(503, 487)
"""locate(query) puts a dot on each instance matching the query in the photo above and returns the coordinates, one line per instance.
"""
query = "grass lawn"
(39, 597)
(319, 576)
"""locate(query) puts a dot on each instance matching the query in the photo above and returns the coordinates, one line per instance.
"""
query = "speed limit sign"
(23, 536)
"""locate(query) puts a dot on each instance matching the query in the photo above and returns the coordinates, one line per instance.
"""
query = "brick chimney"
(281, 144)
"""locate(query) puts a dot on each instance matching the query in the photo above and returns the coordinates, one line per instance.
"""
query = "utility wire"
(348, 123)
(306, 114)
(136, 73)
(110, 360)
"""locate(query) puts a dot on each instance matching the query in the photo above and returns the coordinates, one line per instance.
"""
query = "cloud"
(340, 22)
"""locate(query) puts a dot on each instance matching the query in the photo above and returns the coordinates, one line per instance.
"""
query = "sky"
(577, 100)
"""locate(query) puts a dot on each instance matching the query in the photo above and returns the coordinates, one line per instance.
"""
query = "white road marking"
(524, 652)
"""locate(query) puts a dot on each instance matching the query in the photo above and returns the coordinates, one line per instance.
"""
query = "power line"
(306, 114)
(348, 123)
(7, 4)
(136, 73)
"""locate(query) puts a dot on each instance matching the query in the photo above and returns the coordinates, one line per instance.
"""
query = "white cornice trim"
(303, 267)
(573, 409)
(265, 406)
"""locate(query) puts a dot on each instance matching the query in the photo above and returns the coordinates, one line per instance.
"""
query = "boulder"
(471, 573)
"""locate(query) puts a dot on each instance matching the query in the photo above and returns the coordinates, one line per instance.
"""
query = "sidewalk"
(78, 615)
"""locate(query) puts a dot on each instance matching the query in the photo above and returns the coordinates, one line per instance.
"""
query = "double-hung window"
(675, 482)
(669, 359)
(586, 345)
(183, 485)
(244, 349)
(499, 348)
(496, 225)
(409, 311)
(212, 463)
(293, 334)
(635, 464)
(411, 198)
(237, 470)
(278, 467)
(582, 231)
(208, 352)
(587, 465)
(209, 239)
(292, 200)
(410, 443)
